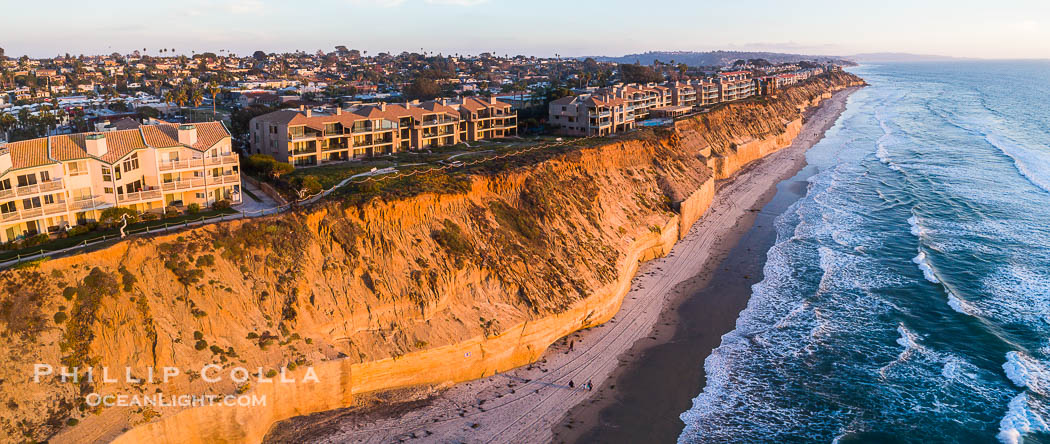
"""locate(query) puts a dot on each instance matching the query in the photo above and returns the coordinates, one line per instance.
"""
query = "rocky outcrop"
(426, 280)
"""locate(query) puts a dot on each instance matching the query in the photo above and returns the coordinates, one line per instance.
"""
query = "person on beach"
(570, 345)
(571, 384)
(589, 386)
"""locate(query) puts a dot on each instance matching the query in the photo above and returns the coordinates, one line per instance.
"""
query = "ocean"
(907, 296)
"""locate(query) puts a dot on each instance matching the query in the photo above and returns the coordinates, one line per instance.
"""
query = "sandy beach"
(549, 400)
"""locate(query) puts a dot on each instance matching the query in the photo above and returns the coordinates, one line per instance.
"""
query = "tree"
(214, 90)
(306, 186)
(421, 88)
(196, 96)
(639, 74)
(7, 122)
(268, 166)
(259, 55)
(147, 112)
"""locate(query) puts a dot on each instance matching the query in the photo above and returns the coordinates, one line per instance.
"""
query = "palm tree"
(214, 90)
(180, 97)
(196, 96)
(7, 122)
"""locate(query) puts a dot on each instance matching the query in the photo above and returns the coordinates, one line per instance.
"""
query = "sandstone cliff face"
(451, 282)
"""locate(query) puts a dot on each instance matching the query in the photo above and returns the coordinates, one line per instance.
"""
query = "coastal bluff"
(452, 280)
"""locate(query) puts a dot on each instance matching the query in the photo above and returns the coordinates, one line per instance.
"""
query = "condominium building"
(618, 108)
(735, 85)
(591, 114)
(51, 183)
(304, 138)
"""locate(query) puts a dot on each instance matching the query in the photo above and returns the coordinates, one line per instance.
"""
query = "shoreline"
(524, 404)
(640, 403)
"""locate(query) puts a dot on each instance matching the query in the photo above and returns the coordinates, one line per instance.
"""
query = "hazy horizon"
(542, 28)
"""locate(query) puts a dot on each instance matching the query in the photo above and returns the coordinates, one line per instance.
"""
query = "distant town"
(89, 141)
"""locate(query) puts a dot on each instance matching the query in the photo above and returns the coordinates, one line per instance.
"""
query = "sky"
(961, 28)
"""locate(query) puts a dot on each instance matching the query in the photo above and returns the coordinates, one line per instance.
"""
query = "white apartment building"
(51, 183)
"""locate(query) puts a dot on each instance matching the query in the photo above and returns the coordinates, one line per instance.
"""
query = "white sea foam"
(880, 145)
(1026, 372)
(907, 339)
(924, 265)
(1020, 419)
(1032, 164)
(960, 305)
(913, 221)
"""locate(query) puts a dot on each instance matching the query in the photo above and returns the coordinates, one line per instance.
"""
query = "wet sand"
(535, 403)
(643, 401)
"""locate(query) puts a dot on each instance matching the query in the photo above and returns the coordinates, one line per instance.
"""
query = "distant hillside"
(888, 57)
(716, 58)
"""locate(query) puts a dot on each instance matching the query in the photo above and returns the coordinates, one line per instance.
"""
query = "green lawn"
(330, 175)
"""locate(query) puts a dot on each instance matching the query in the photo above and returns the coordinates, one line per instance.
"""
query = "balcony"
(29, 190)
(439, 121)
(84, 204)
(225, 178)
(148, 193)
(182, 184)
(24, 214)
(221, 160)
(181, 164)
(55, 208)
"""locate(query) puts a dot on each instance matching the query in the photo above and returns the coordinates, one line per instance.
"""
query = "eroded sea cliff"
(447, 279)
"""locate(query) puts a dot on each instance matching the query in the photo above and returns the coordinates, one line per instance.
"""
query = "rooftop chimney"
(187, 135)
(382, 106)
(302, 107)
(308, 112)
(5, 158)
(492, 100)
(338, 110)
(95, 144)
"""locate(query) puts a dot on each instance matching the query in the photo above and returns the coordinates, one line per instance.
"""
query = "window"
(133, 187)
(77, 168)
(45, 176)
(7, 207)
(132, 163)
(5, 184)
(107, 174)
(49, 199)
(26, 180)
(82, 193)
(116, 172)
(200, 195)
(107, 190)
(31, 203)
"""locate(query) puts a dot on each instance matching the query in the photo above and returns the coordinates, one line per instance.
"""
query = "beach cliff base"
(536, 403)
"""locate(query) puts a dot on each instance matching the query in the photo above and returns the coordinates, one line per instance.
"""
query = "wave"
(924, 265)
(1028, 162)
(913, 222)
(960, 305)
(1020, 419)
(881, 152)
(1026, 372)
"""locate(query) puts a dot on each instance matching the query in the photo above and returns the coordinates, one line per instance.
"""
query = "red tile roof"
(28, 154)
(49, 150)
